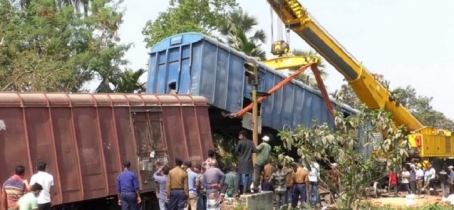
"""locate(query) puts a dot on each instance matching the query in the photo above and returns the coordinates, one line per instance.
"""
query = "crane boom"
(367, 88)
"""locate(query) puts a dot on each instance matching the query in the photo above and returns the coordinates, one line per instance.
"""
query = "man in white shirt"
(313, 176)
(432, 175)
(405, 180)
(46, 181)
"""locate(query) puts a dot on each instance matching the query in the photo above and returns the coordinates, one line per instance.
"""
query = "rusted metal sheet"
(84, 138)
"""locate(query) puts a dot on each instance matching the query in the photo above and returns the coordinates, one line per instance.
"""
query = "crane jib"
(317, 42)
(297, 9)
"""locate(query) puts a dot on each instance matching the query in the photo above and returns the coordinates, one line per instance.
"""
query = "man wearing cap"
(263, 156)
(244, 150)
(177, 188)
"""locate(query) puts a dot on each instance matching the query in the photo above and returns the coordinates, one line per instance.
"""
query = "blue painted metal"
(200, 65)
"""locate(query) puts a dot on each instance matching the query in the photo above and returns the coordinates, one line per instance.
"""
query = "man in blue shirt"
(161, 177)
(128, 189)
(192, 182)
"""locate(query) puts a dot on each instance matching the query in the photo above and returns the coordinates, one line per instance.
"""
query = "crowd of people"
(414, 180)
(204, 186)
(19, 194)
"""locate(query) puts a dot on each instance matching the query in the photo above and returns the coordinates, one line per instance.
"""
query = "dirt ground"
(400, 202)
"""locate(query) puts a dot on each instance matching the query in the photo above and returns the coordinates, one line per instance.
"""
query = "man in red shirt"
(392, 182)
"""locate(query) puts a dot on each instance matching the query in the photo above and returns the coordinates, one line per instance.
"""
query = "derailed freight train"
(84, 138)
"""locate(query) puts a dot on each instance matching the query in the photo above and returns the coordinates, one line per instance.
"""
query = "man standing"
(229, 184)
(263, 156)
(313, 177)
(29, 201)
(46, 181)
(202, 200)
(419, 179)
(451, 180)
(213, 179)
(244, 150)
(443, 179)
(300, 181)
(211, 157)
(405, 182)
(289, 183)
(177, 191)
(192, 183)
(412, 179)
(431, 175)
(333, 182)
(128, 188)
(14, 188)
(279, 180)
(161, 177)
(267, 172)
(392, 182)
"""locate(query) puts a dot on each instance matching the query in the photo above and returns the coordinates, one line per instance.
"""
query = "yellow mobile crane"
(425, 141)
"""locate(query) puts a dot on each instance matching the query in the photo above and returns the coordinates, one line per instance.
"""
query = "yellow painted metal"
(367, 88)
(291, 62)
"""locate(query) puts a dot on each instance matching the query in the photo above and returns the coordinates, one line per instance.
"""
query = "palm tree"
(79, 5)
(308, 77)
(129, 82)
(237, 28)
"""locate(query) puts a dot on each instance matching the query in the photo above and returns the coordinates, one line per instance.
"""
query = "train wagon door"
(150, 145)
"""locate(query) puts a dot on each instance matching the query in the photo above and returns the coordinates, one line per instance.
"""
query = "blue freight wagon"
(191, 63)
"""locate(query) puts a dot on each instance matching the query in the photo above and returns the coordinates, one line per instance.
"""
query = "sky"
(409, 42)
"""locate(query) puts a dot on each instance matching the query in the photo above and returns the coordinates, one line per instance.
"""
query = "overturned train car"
(84, 138)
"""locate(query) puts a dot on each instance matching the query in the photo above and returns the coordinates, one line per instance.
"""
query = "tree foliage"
(308, 77)
(129, 82)
(241, 34)
(345, 147)
(50, 45)
(204, 16)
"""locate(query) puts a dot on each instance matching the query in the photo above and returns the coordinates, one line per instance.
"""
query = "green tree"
(48, 45)
(419, 106)
(236, 30)
(204, 16)
(129, 82)
(358, 169)
(308, 77)
(349, 96)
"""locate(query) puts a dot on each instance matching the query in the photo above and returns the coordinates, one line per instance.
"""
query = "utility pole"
(252, 79)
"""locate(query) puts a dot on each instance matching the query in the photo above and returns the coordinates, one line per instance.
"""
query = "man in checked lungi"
(213, 179)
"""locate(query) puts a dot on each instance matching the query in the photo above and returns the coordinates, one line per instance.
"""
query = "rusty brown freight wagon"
(85, 137)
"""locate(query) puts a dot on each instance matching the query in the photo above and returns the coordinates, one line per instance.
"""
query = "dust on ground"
(400, 202)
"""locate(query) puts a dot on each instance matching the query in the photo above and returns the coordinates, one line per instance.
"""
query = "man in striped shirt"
(279, 180)
(14, 188)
